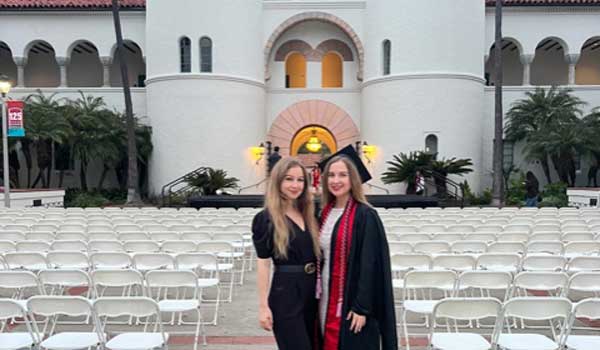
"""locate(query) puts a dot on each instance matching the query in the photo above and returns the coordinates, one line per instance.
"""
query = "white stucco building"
(217, 77)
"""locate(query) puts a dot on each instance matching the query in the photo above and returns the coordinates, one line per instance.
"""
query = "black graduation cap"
(350, 153)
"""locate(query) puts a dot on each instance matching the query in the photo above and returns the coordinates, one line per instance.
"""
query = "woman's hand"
(358, 321)
(265, 318)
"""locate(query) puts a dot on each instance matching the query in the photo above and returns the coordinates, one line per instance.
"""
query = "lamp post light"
(4, 90)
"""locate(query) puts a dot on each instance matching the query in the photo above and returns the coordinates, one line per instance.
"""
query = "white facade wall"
(435, 87)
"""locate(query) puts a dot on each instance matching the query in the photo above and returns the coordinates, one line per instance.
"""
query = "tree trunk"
(105, 170)
(546, 168)
(133, 195)
(498, 162)
(61, 177)
(82, 175)
(28, 161)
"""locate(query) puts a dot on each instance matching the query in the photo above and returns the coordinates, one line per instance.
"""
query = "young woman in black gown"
(285, 233)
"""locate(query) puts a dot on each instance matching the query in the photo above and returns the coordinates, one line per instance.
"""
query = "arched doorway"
(331, 125)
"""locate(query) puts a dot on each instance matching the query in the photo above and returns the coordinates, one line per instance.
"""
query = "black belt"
(308, 269)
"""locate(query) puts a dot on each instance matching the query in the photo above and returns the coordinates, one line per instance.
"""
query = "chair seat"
(230, 255)
(71, 341)
(222, 267)
(10, 341)
(526, 342)
(136, 341)
(208, 282)
(178, 305)
(459, 341)
(583, 342)
(420, 306)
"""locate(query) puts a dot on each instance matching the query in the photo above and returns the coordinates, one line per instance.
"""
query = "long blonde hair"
(356, 188)
(275, 205)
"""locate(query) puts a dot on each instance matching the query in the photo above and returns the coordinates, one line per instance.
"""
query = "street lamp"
(4, 90)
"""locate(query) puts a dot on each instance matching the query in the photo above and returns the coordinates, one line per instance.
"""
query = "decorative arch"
(587, 71)
(290, 46)
(315, 16)
(338, 46)
(312, 113)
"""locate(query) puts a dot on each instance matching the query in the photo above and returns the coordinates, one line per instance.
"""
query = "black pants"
(294, 307)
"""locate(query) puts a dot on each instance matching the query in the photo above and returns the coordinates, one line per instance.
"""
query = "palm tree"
(86, 116)
(444, 167)
(498, 158)
(544, 120)
(132, 169)
(404, 168)
(45, 124)
(590, 127)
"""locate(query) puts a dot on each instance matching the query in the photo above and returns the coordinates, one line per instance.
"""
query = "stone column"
(21, 62)
(62, 64)
(106, 62)
(526, 60)
(572, 60)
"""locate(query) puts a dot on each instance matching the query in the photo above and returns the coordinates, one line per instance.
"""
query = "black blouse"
(300, 247)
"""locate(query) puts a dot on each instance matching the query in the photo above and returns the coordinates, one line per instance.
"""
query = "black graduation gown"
(368, 287)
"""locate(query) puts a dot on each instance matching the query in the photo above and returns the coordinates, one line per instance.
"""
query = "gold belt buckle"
(310, 268)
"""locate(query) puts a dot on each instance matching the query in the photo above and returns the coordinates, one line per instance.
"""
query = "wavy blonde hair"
(275, 205)
(356, 188)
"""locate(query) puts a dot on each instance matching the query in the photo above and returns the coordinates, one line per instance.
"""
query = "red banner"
(15, 118)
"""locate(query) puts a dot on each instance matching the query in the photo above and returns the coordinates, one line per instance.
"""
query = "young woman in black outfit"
(285, 232)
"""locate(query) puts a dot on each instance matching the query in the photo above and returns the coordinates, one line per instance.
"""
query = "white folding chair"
(132, 236)
(507, 247)
(588, 309)
(105, 246)
(577, 236)
(139, 307)
(431, 247)
(71, 236)
(485, 284)
(487, 237)
(551, 283)
(184, 296)
(545, 247)
(20, 285)
(586, 284)
(33, 246)
(144, 262)
(161, 236)
(583, 263)
(141, 246)
(447, 237)
(400, 247)
(175, 247)
(9, 310)
(102, 236)
(59, 282)
(110, 260)
(196, 236)
(582, 248)
(41, 236)
(32, 261)
(69, 260)
(413, 237)
(545, 236)
(51, 307)
(469, 247)
(206, 266)
(13, 236)
(402, 263)
(7, 247)
(537, 309)
(460, 309)
(499, 262)
(224, 251)
(544, 263)
(522, 237)
(453, 262)
(125, 283)
(422, 290)
(71, 246)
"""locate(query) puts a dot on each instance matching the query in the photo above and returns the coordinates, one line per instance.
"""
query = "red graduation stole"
(333, 320)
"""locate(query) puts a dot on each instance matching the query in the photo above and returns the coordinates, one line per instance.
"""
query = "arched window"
(205, 55)
(387, 56)
(431, 144)
(185, 55)
(332, 71)
(295, 71)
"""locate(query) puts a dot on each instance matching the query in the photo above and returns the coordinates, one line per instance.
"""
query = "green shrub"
(555, 195)
(473, 199)
(515, 193)
(86, 200)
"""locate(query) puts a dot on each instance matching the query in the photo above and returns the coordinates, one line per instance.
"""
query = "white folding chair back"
(110, 260)
(485, 283)
(584, 263)
(587, 283)
(105, 246)
(41, 236)
(553, 283)
(68, 260)
(71, 246)
(33, 246)
(454, 262)
(400, 247)
(7, 246)
(59, 280)
(469, 247)
(141, 246)
(22, 283)
(545, 247)
(178, 246)
(499, 262)
(588, 309)
(132, 236)
(13, 236)
(9, 310)
(153, 261)
(432, 247)
(413, 237)
(507, 247)
(130, 282)
(139, 307)
(544, 263)
(411, 261)
(26, 261)
(582, 248)
(161, 236)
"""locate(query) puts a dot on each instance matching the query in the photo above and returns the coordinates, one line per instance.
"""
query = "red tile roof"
(59, 4)
(546, 2)
(98, 4)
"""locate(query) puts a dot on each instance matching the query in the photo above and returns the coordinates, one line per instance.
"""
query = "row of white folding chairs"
(439, 228)
(501, 223)
(99, 312)
(198, 235)
(133, 246)
(559, 313)
(493, 236)
(568, 250)
(57, 224)
(123, 228)
(506, 262)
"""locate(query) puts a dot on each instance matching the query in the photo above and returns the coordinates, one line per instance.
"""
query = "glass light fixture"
(314, 145)
(5, 85)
